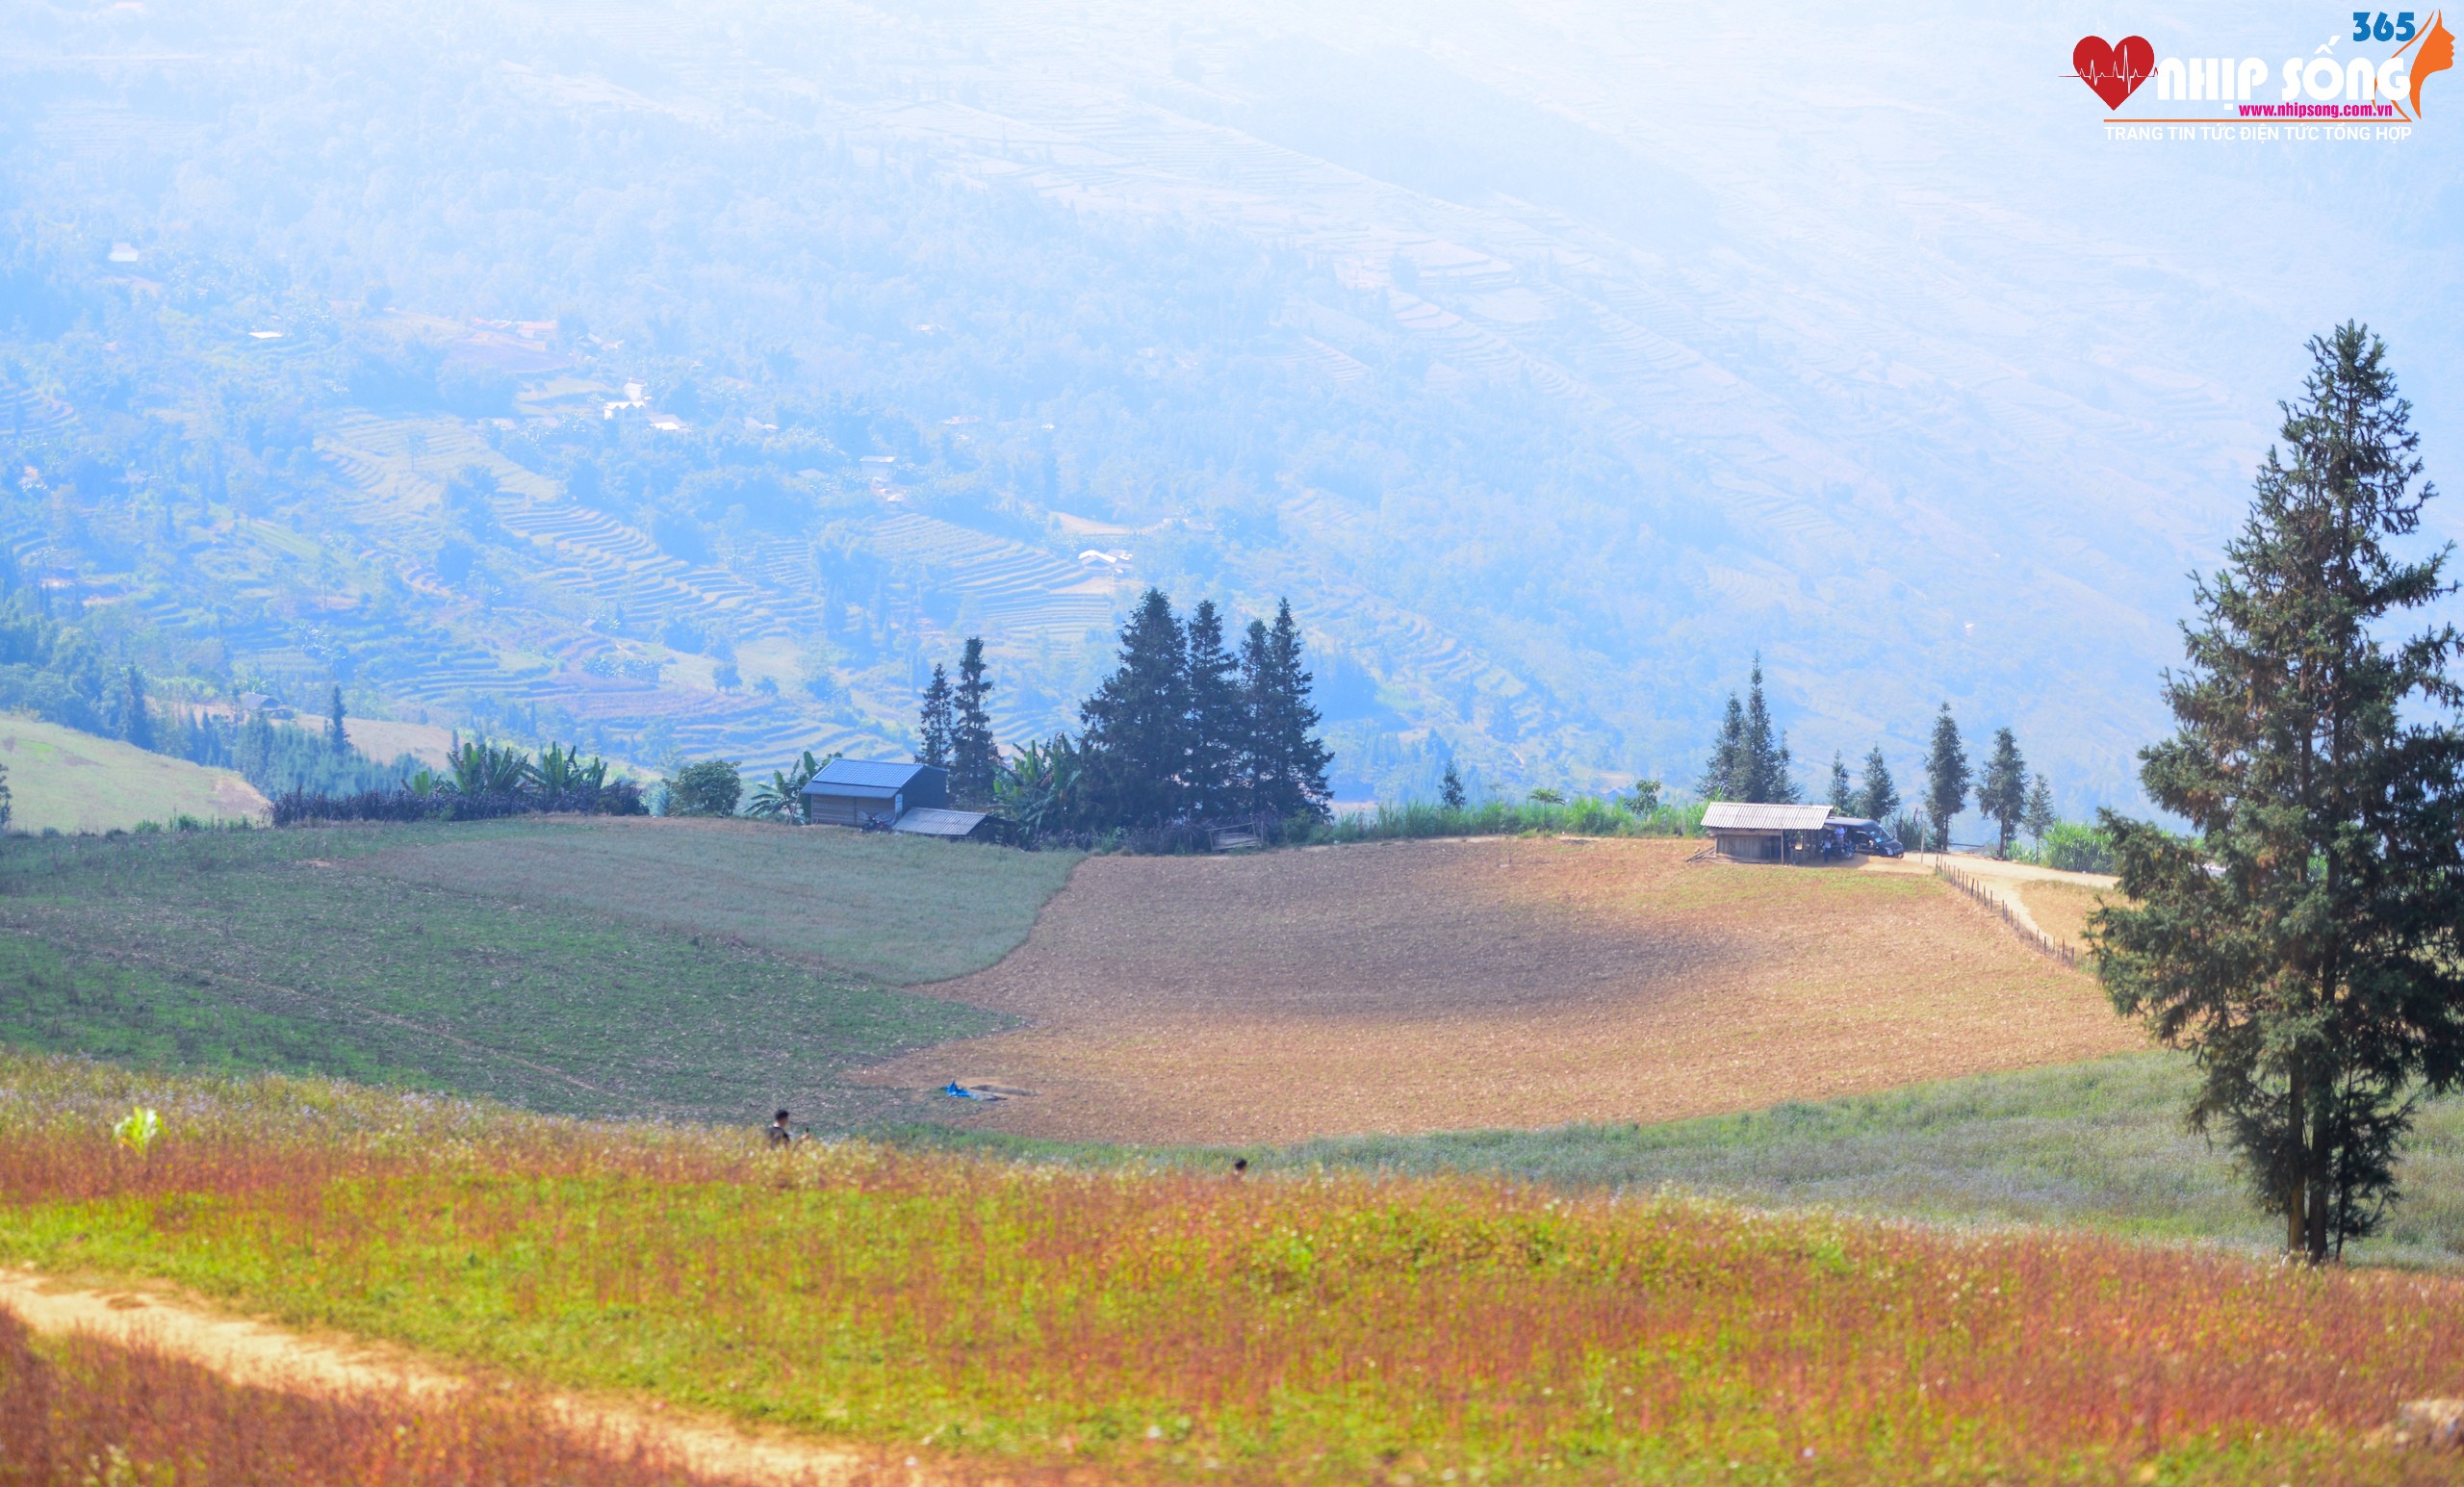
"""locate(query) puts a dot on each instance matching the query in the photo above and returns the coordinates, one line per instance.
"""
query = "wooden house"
(852, 792)
(1749, 833)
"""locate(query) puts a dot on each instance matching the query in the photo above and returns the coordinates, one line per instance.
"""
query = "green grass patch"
(400, 955)
(62, 780)
(902, 910)
(2099, 1146)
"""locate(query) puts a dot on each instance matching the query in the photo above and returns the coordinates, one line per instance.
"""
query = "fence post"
(2034, 939)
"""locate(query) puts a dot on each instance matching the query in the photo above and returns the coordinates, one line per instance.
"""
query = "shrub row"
(616, 798)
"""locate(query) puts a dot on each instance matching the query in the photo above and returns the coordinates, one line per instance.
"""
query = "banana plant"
(483, 768)
(559, 770)
(1037, 788)
(783, 793)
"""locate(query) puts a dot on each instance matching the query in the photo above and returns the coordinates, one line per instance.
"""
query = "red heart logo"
(2113, 71)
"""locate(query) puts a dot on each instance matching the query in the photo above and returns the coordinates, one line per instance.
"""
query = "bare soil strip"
(257, 1355)
(1409, 986)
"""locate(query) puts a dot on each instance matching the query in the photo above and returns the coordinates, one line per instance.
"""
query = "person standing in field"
(778, 1134)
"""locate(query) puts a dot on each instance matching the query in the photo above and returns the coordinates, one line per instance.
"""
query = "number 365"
(2365, 29)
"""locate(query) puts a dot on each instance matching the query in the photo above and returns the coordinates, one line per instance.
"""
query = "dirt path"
(2022, 887)
(2004, 882)
(258, 1355)
(1426, 986)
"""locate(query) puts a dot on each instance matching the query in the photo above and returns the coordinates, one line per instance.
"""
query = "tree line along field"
(1160, 1325)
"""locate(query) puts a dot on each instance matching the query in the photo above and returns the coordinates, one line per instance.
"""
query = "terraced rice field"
(1020, 592)
(578, 564)
(1428, 985)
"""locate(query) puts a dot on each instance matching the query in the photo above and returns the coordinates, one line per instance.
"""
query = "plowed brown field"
(1425, 986)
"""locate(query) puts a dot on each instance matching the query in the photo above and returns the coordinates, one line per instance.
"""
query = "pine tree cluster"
(1750, 762)
(1185, 731)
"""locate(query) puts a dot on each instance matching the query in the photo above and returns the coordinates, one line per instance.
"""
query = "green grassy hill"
(664, 968)
(62, 780)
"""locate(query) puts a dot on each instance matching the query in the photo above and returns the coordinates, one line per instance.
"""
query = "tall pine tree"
(1766, 749)
(2002, 795)
(135, 720)
(975, 759)
(2039, 816)
(1750, 759)
(1218, 722)
(1843, 790)
(1879, 798)
(1724, 773)
(337, 736)
(2302, 942)
(1136, 739)
(935, 723)
(1286, 762)
(1946, 777)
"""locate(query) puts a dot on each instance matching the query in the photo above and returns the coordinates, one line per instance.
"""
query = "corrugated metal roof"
(860, 775)
(1740, 816)
(931, 821)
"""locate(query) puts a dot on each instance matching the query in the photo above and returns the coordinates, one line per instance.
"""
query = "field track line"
(256, 1355)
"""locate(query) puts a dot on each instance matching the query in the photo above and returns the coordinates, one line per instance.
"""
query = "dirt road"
(2054, 903)
(1448, 984)
(255, 1354)
(2047, 900)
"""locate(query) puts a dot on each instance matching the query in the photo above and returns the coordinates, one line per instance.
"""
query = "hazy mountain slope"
(1551, 358)
(64, 780)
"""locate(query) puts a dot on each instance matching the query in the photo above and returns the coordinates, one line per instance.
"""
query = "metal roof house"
(952, 825)
(1746, 833)
(849, 792)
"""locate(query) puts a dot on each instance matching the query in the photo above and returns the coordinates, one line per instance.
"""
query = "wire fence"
(2035, 938)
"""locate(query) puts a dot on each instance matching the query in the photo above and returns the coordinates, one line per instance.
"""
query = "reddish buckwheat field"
(1161, 1325)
